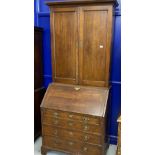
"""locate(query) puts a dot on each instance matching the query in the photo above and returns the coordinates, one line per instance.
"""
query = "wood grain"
(64, 43)
(94, 52)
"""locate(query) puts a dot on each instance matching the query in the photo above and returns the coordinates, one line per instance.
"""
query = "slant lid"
(76, 98)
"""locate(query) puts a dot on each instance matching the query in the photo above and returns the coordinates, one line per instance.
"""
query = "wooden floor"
(37, 146)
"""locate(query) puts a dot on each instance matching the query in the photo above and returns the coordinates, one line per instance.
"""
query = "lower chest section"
(73, 133)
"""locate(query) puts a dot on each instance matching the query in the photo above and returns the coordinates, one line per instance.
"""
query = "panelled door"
(64, 32)
(95, 45)
(81, 44)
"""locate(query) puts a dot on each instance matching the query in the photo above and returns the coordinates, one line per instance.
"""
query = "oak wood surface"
(64, 45)
(70, 134)
(81, 44)
(87, 100)
(95, 39)
(72, 146)
(74, 107)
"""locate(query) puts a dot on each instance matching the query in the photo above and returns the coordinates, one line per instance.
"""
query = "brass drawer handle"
(86, 127)
(70, 123)
(55, 132)
(85, 118)
(56, 141)
(70, 143)
(86, 137)
(70, 116)
(55, 114)
(85, 149)
(71, 133)
(55, 122)
(77, 88)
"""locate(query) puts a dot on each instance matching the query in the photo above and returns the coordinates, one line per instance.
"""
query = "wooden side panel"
(95, 44)
(38, 68)
(64, 43)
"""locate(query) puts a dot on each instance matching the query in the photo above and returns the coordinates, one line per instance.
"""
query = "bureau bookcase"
(75, 105)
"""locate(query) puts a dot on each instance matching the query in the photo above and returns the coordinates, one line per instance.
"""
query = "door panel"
(64, 41)
(95, 39)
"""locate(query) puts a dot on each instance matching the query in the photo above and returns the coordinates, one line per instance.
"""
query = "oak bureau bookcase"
(74, 107)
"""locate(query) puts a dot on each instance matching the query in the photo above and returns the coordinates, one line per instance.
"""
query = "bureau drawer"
(56, 143)
(48, 130)
(73, 125)
(76, 147)
(72, 116)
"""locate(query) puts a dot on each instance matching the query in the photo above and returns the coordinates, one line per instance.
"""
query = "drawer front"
(56, 143)
(90, 150)
(72, 116)
(73, 125)
(80, 148)
(48, 130)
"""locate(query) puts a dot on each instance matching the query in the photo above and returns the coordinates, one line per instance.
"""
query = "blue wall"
(42, 19)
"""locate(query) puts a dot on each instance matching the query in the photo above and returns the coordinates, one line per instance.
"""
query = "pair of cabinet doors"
(81, 44)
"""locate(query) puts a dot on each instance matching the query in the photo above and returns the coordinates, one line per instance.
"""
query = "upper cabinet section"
(81, 41)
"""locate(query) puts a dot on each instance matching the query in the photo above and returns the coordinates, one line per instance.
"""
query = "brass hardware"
(70, 143)
(70, 123)
(85, 149)
(101, 46)
(70, 116)
(86, 119)
(77, 88)
(71, 133)
(55, 132)
(56, 141)
(56, 122)
(55, 114)
(86, 137)
(86, 127)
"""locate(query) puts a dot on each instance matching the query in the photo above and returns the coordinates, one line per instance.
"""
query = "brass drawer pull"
(86, 127)
(85, 149)
(86, 137)
(55, 122)
(70, 123)
(70, 116)
(71, 133)
(77, 88)
(55, 132)
(56, 141)
(85, 118)
(55, 114)
(70, 143)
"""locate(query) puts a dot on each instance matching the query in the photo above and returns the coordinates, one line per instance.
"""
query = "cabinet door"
(95, 44)
(64, 44)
